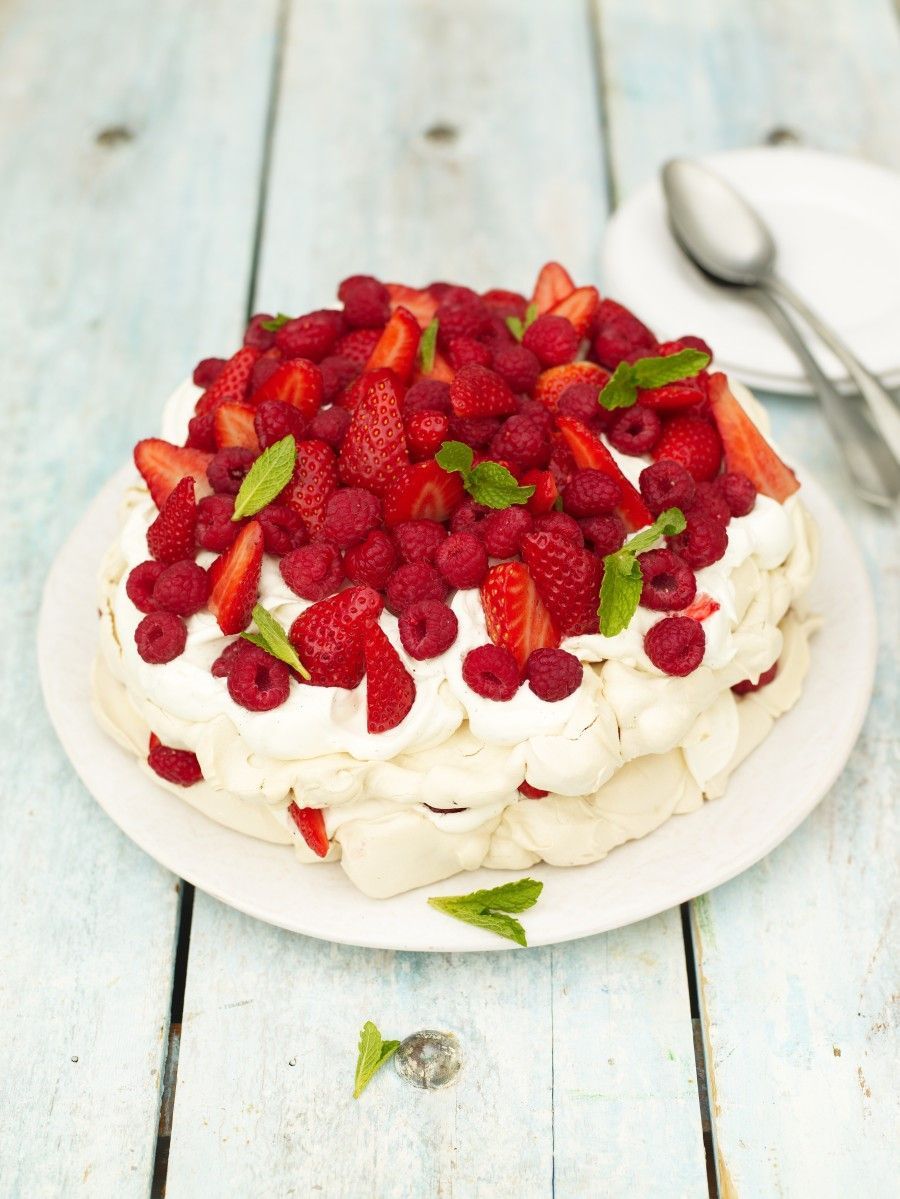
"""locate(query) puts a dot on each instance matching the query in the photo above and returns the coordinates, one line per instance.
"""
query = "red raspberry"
(634, 431)
(425, 433)
(560, 524)
(283, 529)
(746, 686)
(467, 317)
(468, 517)
(263, 369)
(428, 395)
(367, 304)
(517, 367)
(606, 534)
(675, 645)
(178, 766)
(462, 560)
(274, 420)
(453, 293)
(207, 371)
(475, 431)
(666, 484)
(258, 337)
(463, 350)
(739, 492)
(313, 571)
(140, 583)
(357, 346)
(160, 637)
(337, 374)
(591, 493)
(669, 583)
(182, 588)
(703, 542)
(491, 671)
(257, 681)
(553, 674)
(226, 659)
(580, 401)
(427, 628)
(228, 469)
(202, 432)
(522, 441)
(708, 498)
(411, 582)
(530, 792)
(216, 530)
(372, 561)
(350, 514)
(694, 442)
(537, 412)
(330, 425)
(311, 336)
(619, 336)
(552, 340)
(562, 461)
(419, 540)
(502, 531)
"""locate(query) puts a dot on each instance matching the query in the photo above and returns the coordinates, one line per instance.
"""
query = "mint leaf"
(455, 455)
(515, 326)
(517, 896)
(275, 323)
(487, 909)
(623, 579)
(373, 1053)
(531, 313)
(494, 486)
(428, 347)
(657, 372)
(620, 390)
(266, 478)
(273, 639)
(667, 524)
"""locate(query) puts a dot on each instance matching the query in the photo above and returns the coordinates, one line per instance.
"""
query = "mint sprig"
(517, 327)
(373, 1053)
(275, 323)
(489, 909)
(272, 638)
(266, 478)
(621, 391)
(623, 579)
(428, 347)
(488, 483)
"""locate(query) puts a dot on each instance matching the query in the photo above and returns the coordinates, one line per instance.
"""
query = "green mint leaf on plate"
(266, 478)
(373, 1053)
(515, 326)
(489, 909)
(272, 638)
(428, 347)
(620, 390)
(494, 486)
(455, 455)
(657, 372)
(620, 591)
(275, 323)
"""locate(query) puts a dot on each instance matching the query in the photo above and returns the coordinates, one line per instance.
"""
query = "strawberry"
(233, 425)
(589, 451)
(683, 394)
(693, 442)
(478, 391)
(553, 284)
(568, 581)
(746, 449)
(700, 607)
(440, 370)
(422, 492)
(390, 690)
(578, 307)
(396, 347)
(357, 345)
(172, 536)
(232, 383)
(505, 303)
(234, 579)
(425, 433)
(420, 302)
(314, 479)
(553, 382)
(374, 450)
(296, 382)
(329, 636)
(311, 824)
(515, 615)
(545, 490)
(164, 465)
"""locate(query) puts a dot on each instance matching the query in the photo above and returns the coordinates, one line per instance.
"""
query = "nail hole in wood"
(442, 134)
(114, 135)
(782, 136)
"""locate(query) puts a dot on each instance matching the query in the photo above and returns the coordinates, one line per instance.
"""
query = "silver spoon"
(726, 238)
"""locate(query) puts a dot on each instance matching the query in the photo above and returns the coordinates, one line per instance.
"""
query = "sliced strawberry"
(746, 449)
(422, 492)
(296, 382)
(329, 636)
(514, 613)
(396, 347)
(311, 824)
(568, 581)
(579, 307)
(390, 690)
(673, 396)
(693, 442)
(478, 391)
(374, 450)
(233, 383)
(234, 579)
(440, 370)
(589, 451)
(314, 479)
(545, 490)
(233, 425)
(419, 301)
(553, 284)
(700, 607)
(172, 536)
(164, 465)
(553, 382)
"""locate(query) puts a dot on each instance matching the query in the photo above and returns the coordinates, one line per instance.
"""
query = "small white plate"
(767, 797)
(835, 221)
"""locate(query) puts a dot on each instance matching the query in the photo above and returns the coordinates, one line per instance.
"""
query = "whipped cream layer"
(627, 750)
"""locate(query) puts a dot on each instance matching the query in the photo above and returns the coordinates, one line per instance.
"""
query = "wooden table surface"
(168, 167)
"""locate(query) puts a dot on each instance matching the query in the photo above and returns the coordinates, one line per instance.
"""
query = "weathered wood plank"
(113, 272)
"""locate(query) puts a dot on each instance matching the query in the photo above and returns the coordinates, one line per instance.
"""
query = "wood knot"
(114, 135)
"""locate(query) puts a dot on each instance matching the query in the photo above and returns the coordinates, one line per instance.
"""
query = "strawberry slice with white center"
(374, 451)
(172, 536)
(553, 284)
(422, 492)
(232, 384)
(579, 308)
(234, 580)
(568, 581)
(746, 450)
(589, 451)
(514, 613)
(310, 823)
(419, 301)
(164, 465)
(314, 480)
(233, 426)
(390, 689)
(396, 348)
(478, 391)
(297, 382)
(329, 636)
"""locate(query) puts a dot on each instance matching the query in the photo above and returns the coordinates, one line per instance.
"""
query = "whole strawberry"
(330, 636)
(374, 450)
(693, 442)
(567, 579)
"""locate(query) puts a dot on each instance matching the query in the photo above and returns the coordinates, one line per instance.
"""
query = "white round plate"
(767, 797)
(835, 223)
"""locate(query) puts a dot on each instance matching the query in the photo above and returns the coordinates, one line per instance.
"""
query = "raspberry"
(561, 524)
(367, 304)
(428, 395)
(178, 766)
(744, 687)
(228, 469)
(618, 335)
(207, 371)
(675, 645)
(523, 441)
(283, 529)
(541, 415)
(427, 628)
(202, 432)
(666, 484)
(669, 583)
(310, 336)
(517, 367)
(256, 336)
(468, 517)
(337, 374)
(411, 582)
(330, 425)
(140, 583)
(313, 571)
(216, 530)
(502, 531)
(425, 433)
(419, 540)
(591, 493)
(263, 369)
(357, 345)
(553, 674)
(475, 431)
(491, 671)
(226, 659)
(580, 401)
(453, 293)
(372, 561)
(182, 588)
(160, 637)
(273, 420)
(530, 792)
(350, 514)
(461, 318)
(703, 542)
(552, 340)
(635, 431)
(257, 681)
(606, 534)
(462, 560)
(708, 498)
(505, 303)
(739, 492)
(463, 350)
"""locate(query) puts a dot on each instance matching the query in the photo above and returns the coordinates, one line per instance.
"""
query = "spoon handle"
(878, 400)
(874, 470)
